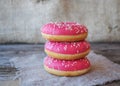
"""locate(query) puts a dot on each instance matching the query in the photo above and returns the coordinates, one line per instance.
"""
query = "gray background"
(21, 20)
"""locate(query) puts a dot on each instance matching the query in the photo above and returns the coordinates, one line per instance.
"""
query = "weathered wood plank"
(110, 50)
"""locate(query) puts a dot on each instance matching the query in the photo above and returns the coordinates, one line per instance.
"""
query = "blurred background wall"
(21, 20)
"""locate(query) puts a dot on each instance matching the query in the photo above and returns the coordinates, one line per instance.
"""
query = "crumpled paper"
(32, 73)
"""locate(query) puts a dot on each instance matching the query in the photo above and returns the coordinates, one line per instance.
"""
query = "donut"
(66, 67)
(64, 31)
(67, 50)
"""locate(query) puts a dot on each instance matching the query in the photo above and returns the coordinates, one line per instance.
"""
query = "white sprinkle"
(87, 62)
(78, 31)
(63, 61)
(59, 25)
(71, 46)
(77, 51)
(81, 31)
(74, 44)
(51, 47)
(63, 64)
(65, 47)
(55, 60)
(58, 49)
(68, 65)
(69, 28)
(78, 45)
(77, 24)
(80, 26)
(74, 62)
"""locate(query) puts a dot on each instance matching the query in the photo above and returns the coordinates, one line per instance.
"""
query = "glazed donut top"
(67, 65)
(64, 28)
(67, 47)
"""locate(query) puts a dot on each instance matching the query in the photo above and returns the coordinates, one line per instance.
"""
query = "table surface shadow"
(8, 51)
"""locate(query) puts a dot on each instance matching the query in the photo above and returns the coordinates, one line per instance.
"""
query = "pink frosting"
(66, 65)
(67, 47)
(64, 28)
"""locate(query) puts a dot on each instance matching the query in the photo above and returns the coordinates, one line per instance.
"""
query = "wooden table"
(8, 51)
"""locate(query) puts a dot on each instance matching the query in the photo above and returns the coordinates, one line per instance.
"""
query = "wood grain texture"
(7, 71)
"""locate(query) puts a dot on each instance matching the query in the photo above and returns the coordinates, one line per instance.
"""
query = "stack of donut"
(66, 48)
